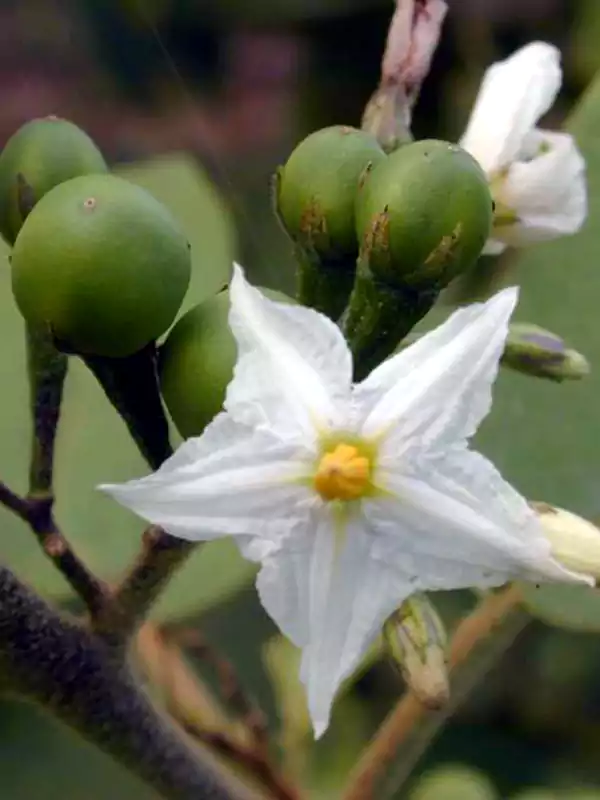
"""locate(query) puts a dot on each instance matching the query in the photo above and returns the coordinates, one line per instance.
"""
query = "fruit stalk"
(324, 284)
(378, 317)
(131, 385)
(47, 370)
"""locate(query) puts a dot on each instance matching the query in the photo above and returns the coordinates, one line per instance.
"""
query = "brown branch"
(401, 722)
(182, 691)
(129, 602)
(37, 513)
(193, 707)
(251, 759)
(232, 691)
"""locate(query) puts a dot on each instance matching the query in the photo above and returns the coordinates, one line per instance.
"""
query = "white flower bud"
(575, 541)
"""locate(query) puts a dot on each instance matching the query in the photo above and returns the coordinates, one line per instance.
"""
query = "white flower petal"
(513, 95)
(330, 596)
(493, 248)
(294, 369)
(439, 389)
(548, 193)
(457, 523)
(231, 480)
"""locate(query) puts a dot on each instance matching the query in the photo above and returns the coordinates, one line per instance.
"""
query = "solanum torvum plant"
(328, 435)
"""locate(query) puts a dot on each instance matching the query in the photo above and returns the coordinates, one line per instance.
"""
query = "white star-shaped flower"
(537, 176)
(351, 496)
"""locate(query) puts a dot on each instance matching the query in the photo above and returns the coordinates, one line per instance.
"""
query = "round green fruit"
(44, 152)
(196, 363)
(103, 264)
(317, 189)
(454, 782)
(423, 215)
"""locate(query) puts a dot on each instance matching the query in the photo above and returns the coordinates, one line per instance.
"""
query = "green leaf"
(93, 445)
(546, 438)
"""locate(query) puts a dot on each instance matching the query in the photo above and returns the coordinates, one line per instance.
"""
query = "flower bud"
(102, 264)
(575, 542)
(317, 189)
(423, 215)
(416, 639)
(39, 156)
(538, 352)
(196, 363)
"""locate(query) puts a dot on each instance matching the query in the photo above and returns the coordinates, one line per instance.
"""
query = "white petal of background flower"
(294, 369)
(331, 597)
(513, 95)
(549, 192)
(493, 247)
(438, 390)
(233, 480)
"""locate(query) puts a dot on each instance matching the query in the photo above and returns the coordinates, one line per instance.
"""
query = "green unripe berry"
(103, 264)
(454, 782)
(44, 152)
(423, 215)
(196, 363)
(317, 189)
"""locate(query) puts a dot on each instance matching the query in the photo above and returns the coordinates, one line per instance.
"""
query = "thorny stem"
(66, 669)
(401, 722)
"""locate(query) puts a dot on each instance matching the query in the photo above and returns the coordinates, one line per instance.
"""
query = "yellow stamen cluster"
(343, 473)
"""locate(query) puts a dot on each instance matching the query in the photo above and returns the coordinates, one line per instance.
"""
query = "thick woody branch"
(73, 673)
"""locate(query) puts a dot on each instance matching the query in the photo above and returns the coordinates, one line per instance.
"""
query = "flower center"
(343, 473)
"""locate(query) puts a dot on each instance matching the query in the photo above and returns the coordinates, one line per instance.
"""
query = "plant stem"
(131, 385)
(132, 599)
(47, 369)
(66, 669)
(401, 722)
(378, 317)
(37, 513)
(324, 285)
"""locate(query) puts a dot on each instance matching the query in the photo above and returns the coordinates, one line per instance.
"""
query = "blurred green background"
(199, 101)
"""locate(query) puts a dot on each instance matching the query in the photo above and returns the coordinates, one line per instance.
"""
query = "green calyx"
(102, 264)
(423, 215)
(316, 189)
(196, 363)
(40, 155)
